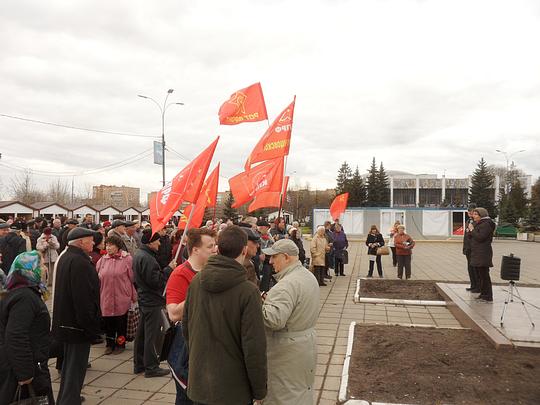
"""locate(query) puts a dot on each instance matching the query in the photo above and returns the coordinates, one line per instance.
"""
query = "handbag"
(167, 331)
(133, 319)
(33, 400)
(345, 257)
(383, 251)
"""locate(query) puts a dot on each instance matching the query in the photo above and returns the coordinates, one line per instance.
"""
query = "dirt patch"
(400, 289)
(439, 366)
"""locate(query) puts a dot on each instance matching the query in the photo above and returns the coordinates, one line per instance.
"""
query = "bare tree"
(59, 191)
(24, 190)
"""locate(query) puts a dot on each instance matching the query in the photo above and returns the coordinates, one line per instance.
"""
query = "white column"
(417, 198)
(391, 192)
(443, 188)
(497, 188)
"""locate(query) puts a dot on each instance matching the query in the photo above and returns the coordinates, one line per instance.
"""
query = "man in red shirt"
(201, 244)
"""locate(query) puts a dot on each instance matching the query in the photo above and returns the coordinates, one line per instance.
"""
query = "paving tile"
(169, 388)
(113, 380)
(147, 384)
(91, 375)
(324, 349)
(163, 398)
(97, 392)
(102, 364)
(329, 395)
(334, 370)
(131, 394)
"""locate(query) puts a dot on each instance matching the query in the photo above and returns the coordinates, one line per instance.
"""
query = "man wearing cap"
(70, 224)
(151, 280)
(266, 241)
(76, 311)
(252, 247)
(290, 311)
(11, 245)
(118, 228)
(130, 242)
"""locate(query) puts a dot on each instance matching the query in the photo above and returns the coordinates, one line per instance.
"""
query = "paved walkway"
(110, 380)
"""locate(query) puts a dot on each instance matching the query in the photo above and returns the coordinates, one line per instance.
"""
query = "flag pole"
(282, 185)
(185, 232)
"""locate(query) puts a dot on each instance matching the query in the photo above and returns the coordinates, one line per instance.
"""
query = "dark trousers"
(181, 395)
(485, 282)
(266, 276)
(394, 256)
(404, 261)
(73, 373)
(473, 276)
(378, 260)
(319, 272)
(115, 326)
(148, 340)
(339, 266)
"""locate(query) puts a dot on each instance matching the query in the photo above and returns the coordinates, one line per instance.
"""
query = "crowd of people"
(240, 296)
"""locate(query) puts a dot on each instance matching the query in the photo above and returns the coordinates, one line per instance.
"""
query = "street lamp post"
(507, 156)
(162, 109)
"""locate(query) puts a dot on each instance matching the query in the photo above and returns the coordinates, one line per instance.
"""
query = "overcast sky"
(424, 86)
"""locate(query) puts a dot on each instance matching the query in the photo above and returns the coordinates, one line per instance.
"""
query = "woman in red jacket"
(404, 245)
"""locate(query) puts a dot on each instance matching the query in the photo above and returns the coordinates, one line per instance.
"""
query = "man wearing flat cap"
(11, 245)
(70, 224)
(290, 312)
(151, 280)
(252, 247)
(76, 311)
(118, 228)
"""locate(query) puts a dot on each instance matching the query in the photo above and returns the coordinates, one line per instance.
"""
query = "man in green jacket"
(223, 329)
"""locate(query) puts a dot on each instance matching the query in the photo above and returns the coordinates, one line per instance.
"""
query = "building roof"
(8, 203)
(44, 204)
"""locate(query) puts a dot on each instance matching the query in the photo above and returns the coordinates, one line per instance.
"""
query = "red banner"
(339, 205)
(276, 140)
(269, 198)
(207, 198)
(267, 176)
(245, 105)
(185, 186)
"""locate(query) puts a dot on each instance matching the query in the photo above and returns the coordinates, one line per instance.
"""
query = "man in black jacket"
(11, 246)
(151, 280)
(70, 224)
(76, 312)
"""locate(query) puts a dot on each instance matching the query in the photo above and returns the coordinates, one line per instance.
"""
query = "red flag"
(267, 176)
(185, 186)
(245, 105)
(207, 198)
(268, 198)
(339, 205)
(276, 140)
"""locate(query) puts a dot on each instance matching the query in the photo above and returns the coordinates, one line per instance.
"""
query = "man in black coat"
(11, 246)
(481, 235)
(151, 280)
(164, 253)
(473, 277)
(76, 312)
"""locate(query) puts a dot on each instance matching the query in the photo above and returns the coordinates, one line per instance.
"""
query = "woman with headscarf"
(24, 331)
(294, 234)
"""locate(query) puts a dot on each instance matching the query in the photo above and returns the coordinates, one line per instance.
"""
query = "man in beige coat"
(290, 311)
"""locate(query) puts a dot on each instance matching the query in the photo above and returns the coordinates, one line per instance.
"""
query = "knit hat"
(148, 237)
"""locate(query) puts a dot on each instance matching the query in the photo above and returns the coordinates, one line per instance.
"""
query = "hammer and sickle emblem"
(239, 100)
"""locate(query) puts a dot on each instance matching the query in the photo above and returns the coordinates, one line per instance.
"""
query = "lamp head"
(170, 91)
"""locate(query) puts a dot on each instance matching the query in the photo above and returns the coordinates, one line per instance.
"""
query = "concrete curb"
(365, 300)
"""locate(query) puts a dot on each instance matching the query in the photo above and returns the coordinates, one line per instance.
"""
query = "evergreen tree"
(532, 221)
(384, 187)
(519, 198)
(373, 196)
(343, 179)
(357, 191)
(508, 213)
(228, 211)
(482, 193)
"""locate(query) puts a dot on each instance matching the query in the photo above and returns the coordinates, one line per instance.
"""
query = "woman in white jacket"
(48, 246)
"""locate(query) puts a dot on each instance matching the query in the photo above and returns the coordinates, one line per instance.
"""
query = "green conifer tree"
(357, 196)
(343, 179)
(373, 196)
(482, 192)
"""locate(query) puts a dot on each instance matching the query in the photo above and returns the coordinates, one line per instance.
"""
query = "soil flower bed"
(400, 289)
(439, 366)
